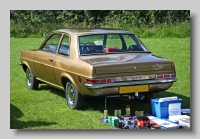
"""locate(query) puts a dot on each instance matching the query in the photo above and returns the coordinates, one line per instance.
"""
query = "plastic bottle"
(128, 112)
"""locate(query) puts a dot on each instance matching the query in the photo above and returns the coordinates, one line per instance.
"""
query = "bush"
(145, 23)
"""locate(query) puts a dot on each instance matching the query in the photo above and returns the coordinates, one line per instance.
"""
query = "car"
(96, 62)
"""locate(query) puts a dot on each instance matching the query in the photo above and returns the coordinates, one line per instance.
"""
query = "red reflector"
(102, 80)
(159, 76)
(110, 80)
(166, 75)
(92, 81)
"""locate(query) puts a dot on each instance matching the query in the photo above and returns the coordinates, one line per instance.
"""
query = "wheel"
(31, 82)
(73, 98)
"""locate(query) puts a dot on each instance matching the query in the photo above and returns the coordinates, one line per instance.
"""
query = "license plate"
(133, 89)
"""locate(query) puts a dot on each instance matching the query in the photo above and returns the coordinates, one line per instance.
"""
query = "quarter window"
(52, 43)
(64, 46)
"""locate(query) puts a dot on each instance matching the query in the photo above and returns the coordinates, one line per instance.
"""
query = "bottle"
(115, 112)
(128, 110)
(119, 113)
(105, 114)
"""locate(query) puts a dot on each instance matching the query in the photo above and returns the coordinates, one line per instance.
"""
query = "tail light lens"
(159, 76)
(173, 75)
(91, 81)
(164, 76)
(104, 80)
(110, 80)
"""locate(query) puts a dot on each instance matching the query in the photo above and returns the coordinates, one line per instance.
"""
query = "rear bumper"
(130, 83)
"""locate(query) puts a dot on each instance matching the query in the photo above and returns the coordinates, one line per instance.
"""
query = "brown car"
(96, 62)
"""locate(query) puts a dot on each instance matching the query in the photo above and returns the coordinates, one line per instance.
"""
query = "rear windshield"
(110, 43)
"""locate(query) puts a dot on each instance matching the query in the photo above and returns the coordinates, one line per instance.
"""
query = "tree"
(89, 17)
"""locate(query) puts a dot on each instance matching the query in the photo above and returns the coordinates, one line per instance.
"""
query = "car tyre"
(31, 82)
(73, 98)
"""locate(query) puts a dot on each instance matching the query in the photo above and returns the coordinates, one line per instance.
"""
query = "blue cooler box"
(160, 109)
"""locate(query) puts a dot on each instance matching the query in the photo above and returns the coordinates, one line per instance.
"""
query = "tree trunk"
(89, 17)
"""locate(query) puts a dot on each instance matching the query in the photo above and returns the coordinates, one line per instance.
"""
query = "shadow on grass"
(52, 90)
(16, 113)
(98, 103)
(121, 102)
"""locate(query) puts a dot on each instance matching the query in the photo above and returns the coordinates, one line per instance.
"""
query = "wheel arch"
(25, 66)
(66, 78)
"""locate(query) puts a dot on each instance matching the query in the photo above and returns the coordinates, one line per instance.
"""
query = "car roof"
(83, 31)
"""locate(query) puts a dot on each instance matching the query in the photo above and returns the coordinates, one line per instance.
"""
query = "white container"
(98, 42)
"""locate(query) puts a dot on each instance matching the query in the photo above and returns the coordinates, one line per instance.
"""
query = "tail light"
(104, 80)
(164, 76)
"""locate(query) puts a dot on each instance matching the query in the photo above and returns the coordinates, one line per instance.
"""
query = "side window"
(64, 46)
(129, 41)
(52, 43)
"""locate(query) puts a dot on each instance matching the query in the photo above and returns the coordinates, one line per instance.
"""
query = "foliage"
(24, 23)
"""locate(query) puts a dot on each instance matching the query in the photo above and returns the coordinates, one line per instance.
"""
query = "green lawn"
(47, 109)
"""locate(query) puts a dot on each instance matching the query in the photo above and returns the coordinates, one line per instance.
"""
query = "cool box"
(160, 109)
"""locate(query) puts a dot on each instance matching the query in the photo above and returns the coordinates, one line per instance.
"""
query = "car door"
(44, 60)
(62, 61)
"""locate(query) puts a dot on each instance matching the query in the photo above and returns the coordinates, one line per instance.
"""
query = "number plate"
(133, 89)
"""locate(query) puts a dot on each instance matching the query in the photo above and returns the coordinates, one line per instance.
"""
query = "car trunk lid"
(127, 63)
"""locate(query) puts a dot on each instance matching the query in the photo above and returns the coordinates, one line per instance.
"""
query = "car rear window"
(110, 43)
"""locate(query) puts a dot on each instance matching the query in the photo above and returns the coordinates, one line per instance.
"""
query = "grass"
(177, 30)
(47, 109)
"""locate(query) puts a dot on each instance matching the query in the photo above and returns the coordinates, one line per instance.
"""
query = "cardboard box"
(175, 118)
(184, 122)
(163, 123)
(139, 113)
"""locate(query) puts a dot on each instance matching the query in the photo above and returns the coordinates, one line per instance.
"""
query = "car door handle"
(50, 59)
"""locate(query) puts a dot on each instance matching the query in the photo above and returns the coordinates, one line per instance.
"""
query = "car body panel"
(44, 67)
(131, 63)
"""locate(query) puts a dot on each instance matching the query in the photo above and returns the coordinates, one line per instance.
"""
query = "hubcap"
(29, 78)
(70, 94)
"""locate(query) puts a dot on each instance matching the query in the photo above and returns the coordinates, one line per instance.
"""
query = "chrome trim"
(159, 66)
(115, 84)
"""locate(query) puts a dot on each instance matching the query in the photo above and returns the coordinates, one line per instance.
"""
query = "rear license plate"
(133, 89)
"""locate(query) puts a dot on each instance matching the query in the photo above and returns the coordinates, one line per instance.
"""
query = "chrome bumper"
(117, 84)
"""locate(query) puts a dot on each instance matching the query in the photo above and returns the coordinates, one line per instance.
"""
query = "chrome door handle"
(50, 59)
